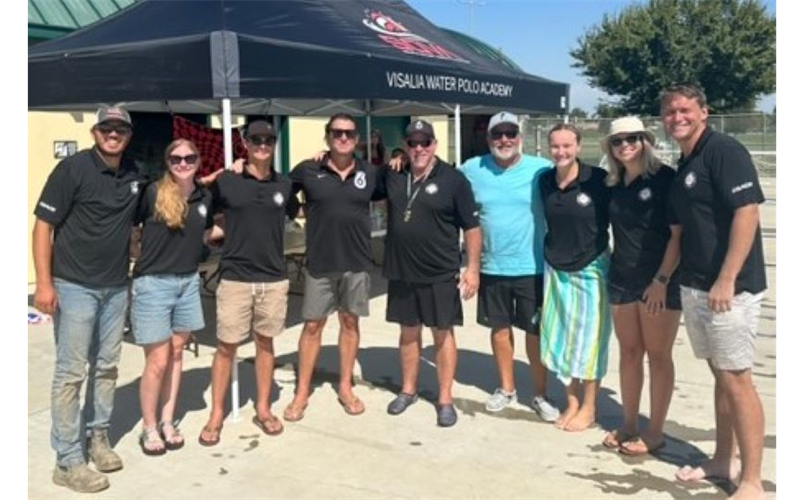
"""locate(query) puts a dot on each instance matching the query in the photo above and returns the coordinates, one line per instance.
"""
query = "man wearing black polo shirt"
(429, 202)
(715, 198)
(252, 296)
(337, 193)
(81, 254)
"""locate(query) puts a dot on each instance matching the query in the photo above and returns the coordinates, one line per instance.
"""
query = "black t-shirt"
(91, 207)
(425, 249)
(254, 226)
(639, 216)
(577, 218)
(173, 251)
(338, 230)
(717, 178)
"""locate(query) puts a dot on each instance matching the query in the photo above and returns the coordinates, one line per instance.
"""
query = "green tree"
(578, 113)
(725, 46)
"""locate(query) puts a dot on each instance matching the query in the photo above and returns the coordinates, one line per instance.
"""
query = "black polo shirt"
(338, 228)
(639, 216)
(173, 251)
(92, 208)
(577, 218)
(717, 178)
(425, 249)
(254, 226)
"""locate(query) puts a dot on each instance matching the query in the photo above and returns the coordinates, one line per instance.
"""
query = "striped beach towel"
(576, 322)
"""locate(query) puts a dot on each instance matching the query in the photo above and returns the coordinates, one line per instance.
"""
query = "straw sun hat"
(627, 125)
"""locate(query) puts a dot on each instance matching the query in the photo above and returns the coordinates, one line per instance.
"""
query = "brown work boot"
(106, 460)
(80, 478)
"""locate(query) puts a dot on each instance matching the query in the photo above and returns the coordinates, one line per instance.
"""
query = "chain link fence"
(756, 131)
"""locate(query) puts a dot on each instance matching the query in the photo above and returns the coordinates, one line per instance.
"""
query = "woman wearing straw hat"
(643, 292)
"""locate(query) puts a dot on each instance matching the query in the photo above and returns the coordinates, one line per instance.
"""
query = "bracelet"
(661, 279)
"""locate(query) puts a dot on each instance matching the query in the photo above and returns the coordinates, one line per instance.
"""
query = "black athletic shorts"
(431, 304)
(622, 293)
(505, 301)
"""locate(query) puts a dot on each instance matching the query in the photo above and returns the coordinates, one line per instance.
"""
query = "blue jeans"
(89, 331)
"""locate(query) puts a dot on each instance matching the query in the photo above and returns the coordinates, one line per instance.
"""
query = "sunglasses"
(629, 139)
(497, 135)
(336, 133)
(262, 140)
(177, 160)
(413, 143)
(107, 129)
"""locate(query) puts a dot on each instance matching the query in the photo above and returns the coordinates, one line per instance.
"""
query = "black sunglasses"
(107, 129)
(335, 133)
(177, 160)
(262, 140)
(413, 143)
(497, 135)
(629, 139)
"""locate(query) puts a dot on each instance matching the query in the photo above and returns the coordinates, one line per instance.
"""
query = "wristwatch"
(661, 279)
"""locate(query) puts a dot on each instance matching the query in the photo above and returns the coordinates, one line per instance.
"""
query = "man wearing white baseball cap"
(510, 293)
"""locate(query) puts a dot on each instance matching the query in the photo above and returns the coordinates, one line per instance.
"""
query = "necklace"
(411, 198)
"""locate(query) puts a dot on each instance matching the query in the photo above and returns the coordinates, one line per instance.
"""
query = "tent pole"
(278, 146)
(368, 137)
(226, 104)
(457, 134)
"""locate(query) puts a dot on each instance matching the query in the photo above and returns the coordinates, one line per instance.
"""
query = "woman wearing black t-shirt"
(575, 323)
(643, 291)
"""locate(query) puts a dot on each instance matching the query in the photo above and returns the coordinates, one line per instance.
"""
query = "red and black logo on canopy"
(398, 36)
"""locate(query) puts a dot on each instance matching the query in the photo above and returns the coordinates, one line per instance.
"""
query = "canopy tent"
(291, 57)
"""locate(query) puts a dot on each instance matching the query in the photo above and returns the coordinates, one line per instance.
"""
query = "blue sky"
(537, 34)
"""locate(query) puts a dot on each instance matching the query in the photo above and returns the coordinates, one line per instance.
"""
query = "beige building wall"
(306, 138)
(43, 130)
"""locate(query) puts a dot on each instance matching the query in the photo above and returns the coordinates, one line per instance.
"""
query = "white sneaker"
(545, 408)
(500, 399)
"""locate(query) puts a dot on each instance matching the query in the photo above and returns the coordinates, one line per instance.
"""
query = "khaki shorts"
(726, 339)
(348, 292)
(246, 308)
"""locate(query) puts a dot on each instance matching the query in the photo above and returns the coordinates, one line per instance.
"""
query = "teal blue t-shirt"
(511, 212)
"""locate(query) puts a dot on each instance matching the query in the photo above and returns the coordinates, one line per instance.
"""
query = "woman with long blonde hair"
(643, 290)
(176, 217)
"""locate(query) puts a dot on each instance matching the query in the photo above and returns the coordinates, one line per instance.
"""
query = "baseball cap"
(112, 113)
(501, 118)
(419, 127)
(260, 127)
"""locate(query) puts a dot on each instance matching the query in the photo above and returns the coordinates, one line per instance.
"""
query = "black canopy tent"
(279, 57)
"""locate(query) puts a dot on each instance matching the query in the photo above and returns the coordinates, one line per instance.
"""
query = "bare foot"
(583, 420)
(566, 417)
(711, 469)
(613, 439)
(748, 491)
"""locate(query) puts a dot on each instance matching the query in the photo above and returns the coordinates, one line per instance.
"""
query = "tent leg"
(368, 137)
(457, 134)
(226, 106)
(278, 147)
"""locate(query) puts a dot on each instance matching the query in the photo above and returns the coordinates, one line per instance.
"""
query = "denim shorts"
(165, 303)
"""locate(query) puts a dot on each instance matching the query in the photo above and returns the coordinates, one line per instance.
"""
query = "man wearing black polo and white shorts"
(338, 191)
(715, 198)
(429, 202)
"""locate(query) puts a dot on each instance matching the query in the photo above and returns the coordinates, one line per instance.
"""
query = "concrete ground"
(329, 454)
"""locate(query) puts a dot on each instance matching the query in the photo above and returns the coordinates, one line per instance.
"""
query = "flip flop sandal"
(262, 424)
(644, 448)
(210, 442)
(151, 443)
(294, 413)
(353, 407)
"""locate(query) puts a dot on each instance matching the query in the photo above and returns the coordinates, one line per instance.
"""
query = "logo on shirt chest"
(360, 180)
(135, 187)
(202, 211)
(583, 199)
(432, 188)
(279, 199)
(645, 194)
(690, 180)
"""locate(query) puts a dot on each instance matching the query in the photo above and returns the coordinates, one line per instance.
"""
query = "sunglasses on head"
(336, 133)
(497, 135)
(106, 129)
(261, 140)
(177, 160)
(629, 139)
(413, 143)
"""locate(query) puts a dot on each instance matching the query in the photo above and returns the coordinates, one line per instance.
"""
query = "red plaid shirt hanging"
(210, 143)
